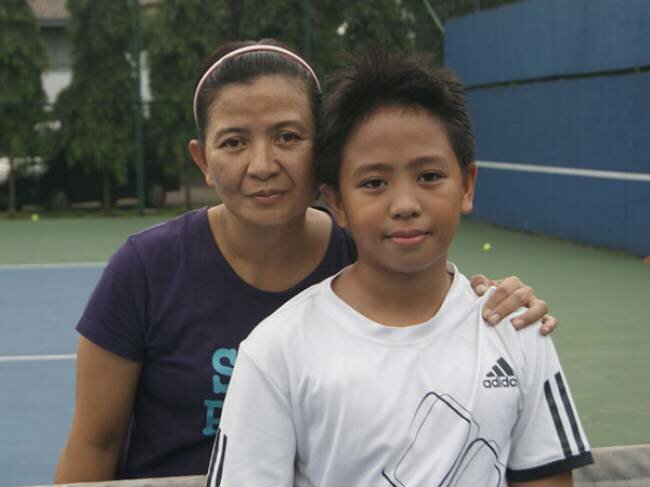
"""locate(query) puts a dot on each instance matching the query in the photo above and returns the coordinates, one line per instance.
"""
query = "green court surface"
(63, 240)
(601, 298)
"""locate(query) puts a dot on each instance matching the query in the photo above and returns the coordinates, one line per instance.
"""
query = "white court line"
(37, 358)
(62, 265)
(565, 171)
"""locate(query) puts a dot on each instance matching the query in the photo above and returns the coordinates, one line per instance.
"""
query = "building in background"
(52, 18)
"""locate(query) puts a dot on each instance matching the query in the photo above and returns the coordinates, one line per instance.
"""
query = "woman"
(160, 332)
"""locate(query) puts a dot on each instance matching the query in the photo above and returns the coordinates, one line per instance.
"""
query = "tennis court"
(48, 269)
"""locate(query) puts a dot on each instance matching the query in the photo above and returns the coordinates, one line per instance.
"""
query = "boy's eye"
(373, 183)
(429, 177)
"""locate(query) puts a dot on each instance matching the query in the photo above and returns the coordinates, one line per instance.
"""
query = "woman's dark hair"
(378, 78)
(246, 68)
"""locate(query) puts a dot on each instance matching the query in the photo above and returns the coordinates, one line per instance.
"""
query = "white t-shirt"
(323, 396)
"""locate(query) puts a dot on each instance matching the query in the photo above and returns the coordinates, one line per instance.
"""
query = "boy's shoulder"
(525, 338)
(288, 323)
(525, 346)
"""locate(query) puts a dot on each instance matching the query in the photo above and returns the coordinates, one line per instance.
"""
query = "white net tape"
(616, 466)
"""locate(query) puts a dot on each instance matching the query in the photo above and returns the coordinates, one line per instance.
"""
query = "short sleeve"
(115, 315)
(548, 437)
(255, 444)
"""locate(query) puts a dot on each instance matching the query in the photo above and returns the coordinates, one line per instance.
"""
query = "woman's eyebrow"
(228, 130)
(289, 123)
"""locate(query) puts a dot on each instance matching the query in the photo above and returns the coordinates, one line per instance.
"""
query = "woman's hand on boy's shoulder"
(510, 295)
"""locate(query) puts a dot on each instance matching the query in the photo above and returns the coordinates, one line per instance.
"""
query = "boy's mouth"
(408, 238)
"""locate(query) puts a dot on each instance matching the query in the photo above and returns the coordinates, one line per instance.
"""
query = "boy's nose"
(405, 205)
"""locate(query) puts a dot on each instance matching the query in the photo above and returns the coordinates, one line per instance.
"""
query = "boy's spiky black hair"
(379, 78)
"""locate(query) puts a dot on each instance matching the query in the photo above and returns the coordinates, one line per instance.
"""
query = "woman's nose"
(262, 164)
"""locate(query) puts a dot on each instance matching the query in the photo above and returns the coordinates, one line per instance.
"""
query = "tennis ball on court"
(35, 217)
(487, 246)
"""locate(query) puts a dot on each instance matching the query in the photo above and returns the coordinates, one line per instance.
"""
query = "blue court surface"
(39, 308)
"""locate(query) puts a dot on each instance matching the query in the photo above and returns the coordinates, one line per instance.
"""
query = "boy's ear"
(198, 155)
(333, 199)
(469, 184)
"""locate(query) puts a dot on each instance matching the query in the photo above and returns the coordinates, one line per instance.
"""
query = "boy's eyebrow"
(372, 167)
(428, 159)
(387, 167)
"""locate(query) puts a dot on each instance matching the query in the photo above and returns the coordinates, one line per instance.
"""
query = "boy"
(386, 374)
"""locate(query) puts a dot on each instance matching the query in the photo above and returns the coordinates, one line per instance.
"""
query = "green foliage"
(97, 108)
(179, 33)
(22, 58)
(384, 22)
(284, 20)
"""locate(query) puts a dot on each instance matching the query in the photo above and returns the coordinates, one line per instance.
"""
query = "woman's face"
(258, 149)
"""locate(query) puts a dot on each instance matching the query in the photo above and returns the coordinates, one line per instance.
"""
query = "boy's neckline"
(359, 324)
(395, 300)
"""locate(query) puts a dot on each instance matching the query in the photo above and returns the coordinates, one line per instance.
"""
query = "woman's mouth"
(267, 197)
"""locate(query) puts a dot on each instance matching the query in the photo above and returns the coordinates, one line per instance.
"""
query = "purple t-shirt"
(170, 300)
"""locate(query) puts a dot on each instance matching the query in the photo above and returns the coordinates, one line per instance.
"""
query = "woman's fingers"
(480, 284)
(510, 295)
(549, 323)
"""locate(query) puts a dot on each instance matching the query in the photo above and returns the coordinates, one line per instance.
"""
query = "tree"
(284, 20)
(179, 34)
(96, 110)
(384, 22)
(22, 58)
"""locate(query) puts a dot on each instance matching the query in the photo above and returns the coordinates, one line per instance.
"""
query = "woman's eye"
(429, 177)
(231, 144)
(286, 137)
(373, 183)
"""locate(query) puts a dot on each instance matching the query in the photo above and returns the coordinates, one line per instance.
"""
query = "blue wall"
(542, 38)
(593, 123)
(596, 211)
(590, 123)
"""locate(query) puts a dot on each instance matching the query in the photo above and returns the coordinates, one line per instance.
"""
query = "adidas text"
(500, 382)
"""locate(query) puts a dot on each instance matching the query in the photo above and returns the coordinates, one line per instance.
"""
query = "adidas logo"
(501, 375)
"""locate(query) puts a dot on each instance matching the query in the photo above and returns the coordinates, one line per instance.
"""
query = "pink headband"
(242, 50)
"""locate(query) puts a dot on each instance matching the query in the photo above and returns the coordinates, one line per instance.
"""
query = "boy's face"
(401, 190)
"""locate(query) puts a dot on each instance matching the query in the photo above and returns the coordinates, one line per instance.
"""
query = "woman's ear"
(198, 155)
(333, 199)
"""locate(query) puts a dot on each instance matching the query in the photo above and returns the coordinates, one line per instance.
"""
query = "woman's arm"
(510, 295)
(564, 479)
(106, 386)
